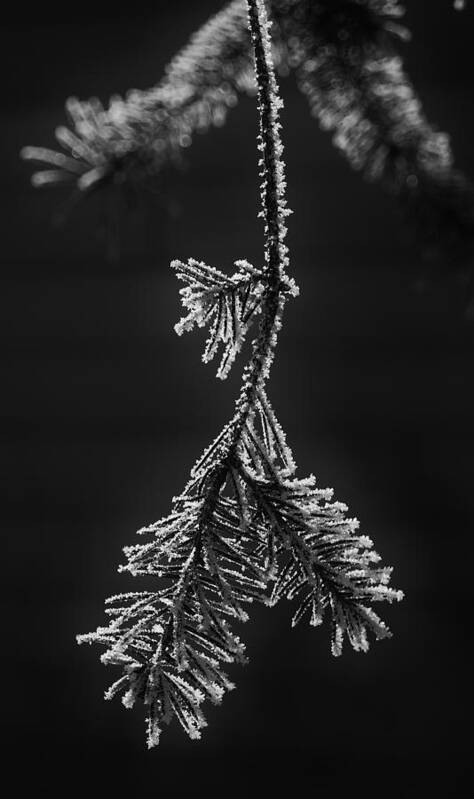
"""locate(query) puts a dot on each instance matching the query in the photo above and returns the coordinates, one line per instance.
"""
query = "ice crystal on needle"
(245, 528)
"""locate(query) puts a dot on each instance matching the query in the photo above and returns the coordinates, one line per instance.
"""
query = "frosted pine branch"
(243, 520)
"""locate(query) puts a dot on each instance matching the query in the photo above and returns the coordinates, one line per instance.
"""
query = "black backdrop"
(104, 410)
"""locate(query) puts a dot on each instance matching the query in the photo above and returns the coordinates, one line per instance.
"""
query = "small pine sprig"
(172, 643)
(243, 520)
(326, 565)
(347, 64)
(227, 305)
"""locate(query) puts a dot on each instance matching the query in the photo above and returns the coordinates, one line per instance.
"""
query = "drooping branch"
(170, 643)
(138, 135)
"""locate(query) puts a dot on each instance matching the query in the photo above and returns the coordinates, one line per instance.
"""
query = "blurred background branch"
(346, 58)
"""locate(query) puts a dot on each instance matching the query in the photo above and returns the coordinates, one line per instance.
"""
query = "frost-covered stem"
(269, 140)
(273, 212)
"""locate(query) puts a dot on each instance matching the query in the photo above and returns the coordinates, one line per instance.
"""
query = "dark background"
(104, 410)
